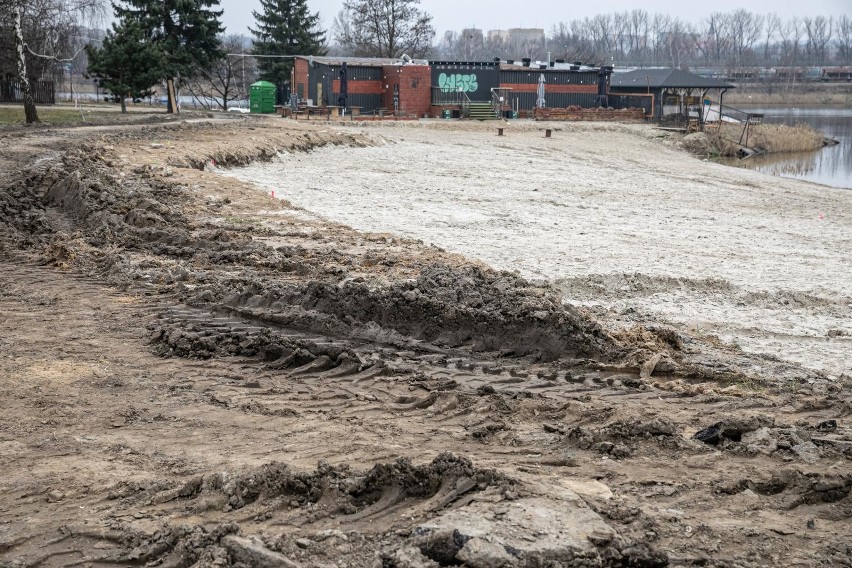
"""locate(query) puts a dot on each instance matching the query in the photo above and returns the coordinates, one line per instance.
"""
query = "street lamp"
(97, 95)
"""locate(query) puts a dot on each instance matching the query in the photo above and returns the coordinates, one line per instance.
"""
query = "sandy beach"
(615, 216)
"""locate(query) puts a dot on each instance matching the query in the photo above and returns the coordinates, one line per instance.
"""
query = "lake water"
(831, 165)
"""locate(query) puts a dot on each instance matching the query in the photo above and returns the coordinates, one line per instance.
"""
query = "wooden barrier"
(589, 114)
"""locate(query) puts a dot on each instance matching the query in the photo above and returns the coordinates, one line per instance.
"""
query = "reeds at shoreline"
(729, 140)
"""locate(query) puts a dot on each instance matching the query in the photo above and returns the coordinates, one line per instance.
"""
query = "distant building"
(472, 34)
(526, 35)
(498, 35)
(517, 35)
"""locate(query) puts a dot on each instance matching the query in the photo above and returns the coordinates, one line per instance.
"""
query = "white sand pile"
(611, 216)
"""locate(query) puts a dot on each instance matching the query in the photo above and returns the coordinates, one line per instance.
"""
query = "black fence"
(43, 92)
(526, 101)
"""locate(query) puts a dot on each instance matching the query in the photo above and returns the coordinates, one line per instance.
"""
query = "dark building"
(429, 88)
(372, 83)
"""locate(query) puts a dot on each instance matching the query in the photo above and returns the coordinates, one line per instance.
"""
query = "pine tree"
(285, 27)
(185, 31)
(126, 64)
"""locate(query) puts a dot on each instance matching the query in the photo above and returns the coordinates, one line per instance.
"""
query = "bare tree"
(384, 28)
(843, 40)
(791, 39)
(744, 28)
(638, 32)
(573, 42)
(818, 31)
(496, 46)
(660, 26)
(601, 30)
(225, 81)
(678, 42)
(52, 19)
(620, 23)
(735, 39)
(772, 25)
(713, 38)
(470, 45)
(30, 112)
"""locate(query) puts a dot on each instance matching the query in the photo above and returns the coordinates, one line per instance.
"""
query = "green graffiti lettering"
(458, 82)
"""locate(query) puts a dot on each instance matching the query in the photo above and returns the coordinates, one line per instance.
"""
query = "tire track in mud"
(401, 410)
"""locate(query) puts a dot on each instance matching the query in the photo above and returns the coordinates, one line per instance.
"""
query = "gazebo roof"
(664, 79)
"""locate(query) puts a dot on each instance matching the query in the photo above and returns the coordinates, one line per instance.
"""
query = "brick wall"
(361, 87)
(301, 78)
(415, 88)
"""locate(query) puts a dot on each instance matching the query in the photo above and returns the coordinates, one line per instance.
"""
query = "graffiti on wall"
(458, 82)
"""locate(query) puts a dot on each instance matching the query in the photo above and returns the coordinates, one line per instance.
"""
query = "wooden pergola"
(675, 92)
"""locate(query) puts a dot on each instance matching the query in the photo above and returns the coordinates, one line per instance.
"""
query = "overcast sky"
(495, 14)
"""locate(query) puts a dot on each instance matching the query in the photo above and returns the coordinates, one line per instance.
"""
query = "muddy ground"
(198, 374)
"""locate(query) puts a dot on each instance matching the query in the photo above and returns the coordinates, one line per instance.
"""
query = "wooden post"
(499, 132)
(547, 133)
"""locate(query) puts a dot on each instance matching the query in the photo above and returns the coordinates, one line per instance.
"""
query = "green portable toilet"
(262, 97)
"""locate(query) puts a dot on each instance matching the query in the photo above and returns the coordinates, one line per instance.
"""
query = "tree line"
(180, 44)
(734, 39)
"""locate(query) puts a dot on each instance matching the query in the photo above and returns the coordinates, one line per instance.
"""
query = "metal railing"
(500, 100)
(443, 97)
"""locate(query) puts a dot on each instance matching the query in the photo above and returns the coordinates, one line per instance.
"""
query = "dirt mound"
(698, 143)
(453, 307)
(132, 226)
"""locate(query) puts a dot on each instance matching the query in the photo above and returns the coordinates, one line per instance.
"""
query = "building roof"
(663, 79)
(361, 61)
(535, 66)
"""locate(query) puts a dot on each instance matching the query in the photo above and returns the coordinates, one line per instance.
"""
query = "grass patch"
(69, 116)
(10, 115)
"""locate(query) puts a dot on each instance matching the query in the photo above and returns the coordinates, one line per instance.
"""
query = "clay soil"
(195, 373)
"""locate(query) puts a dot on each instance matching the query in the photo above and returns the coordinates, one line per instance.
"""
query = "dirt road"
(196, 374)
